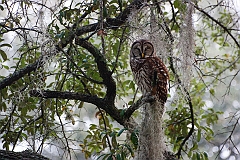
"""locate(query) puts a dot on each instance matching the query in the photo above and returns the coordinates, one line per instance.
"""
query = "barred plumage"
(149, 72)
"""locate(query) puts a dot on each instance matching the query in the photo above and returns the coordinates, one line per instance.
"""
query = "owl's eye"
(147, 48)
(136, 51)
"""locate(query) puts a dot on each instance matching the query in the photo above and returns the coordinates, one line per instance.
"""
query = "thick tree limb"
(99, 102)
(93, 99)
(112, 23)
(67, 95)
(19, 74)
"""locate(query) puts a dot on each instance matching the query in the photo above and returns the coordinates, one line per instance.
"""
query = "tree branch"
(103, 69)
(67, 95)
(93, 99)
(138, 104)
(99, 102)
(218, 23)
(63, 131)
(112, 23)
(19, 74)
(27, 154)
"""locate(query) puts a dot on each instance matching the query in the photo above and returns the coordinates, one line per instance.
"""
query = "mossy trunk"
(151, 135)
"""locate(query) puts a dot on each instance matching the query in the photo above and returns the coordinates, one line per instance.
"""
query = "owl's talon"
(148, 94)
(149, 98)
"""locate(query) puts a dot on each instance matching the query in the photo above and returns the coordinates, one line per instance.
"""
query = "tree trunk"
(151, 136)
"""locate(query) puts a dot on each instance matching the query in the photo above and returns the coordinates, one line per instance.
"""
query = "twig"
(119, 49)
(138, 104)
(23, 127)
(63, 130)
(218, 23)
(102, 26)
(105, 128)
(229, 138)
(9, 120)
(79, 69)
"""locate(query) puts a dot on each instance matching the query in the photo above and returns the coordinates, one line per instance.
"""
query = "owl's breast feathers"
(152, 64)
(160, 77)
(151, 75)
(137, 63)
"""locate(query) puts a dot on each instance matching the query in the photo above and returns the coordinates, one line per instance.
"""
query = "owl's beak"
(143, 55)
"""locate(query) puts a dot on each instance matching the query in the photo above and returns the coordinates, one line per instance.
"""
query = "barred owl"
(149, 72)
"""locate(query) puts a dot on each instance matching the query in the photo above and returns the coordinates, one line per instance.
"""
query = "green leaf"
(176, 4)
(104, 141)
(6, 67)
(112, 134)
(123, 155)
(5, 45)
(114, 142)
(198, 156)
(3, 54)
(93, 126)
(180, 5)
(110, 157)
(105, 12)
(189, 154)
(134, 139)
(132, 85)
(179, 139)
(212, 91)
(122, 112)
(3, 107)
(130, 102)
(121, 131)
(195, 146)
(199, 135)
(1, 7)
(6, 145)
(129, 149)
(120, 4)
(205, 155)
(118, 157)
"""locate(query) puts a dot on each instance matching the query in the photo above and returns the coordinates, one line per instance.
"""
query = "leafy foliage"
(105, 136)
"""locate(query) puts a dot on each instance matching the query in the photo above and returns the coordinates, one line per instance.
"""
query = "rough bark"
(151, 137)
(24, 155)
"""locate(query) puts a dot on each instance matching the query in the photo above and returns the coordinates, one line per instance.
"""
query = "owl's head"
(142, 49)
